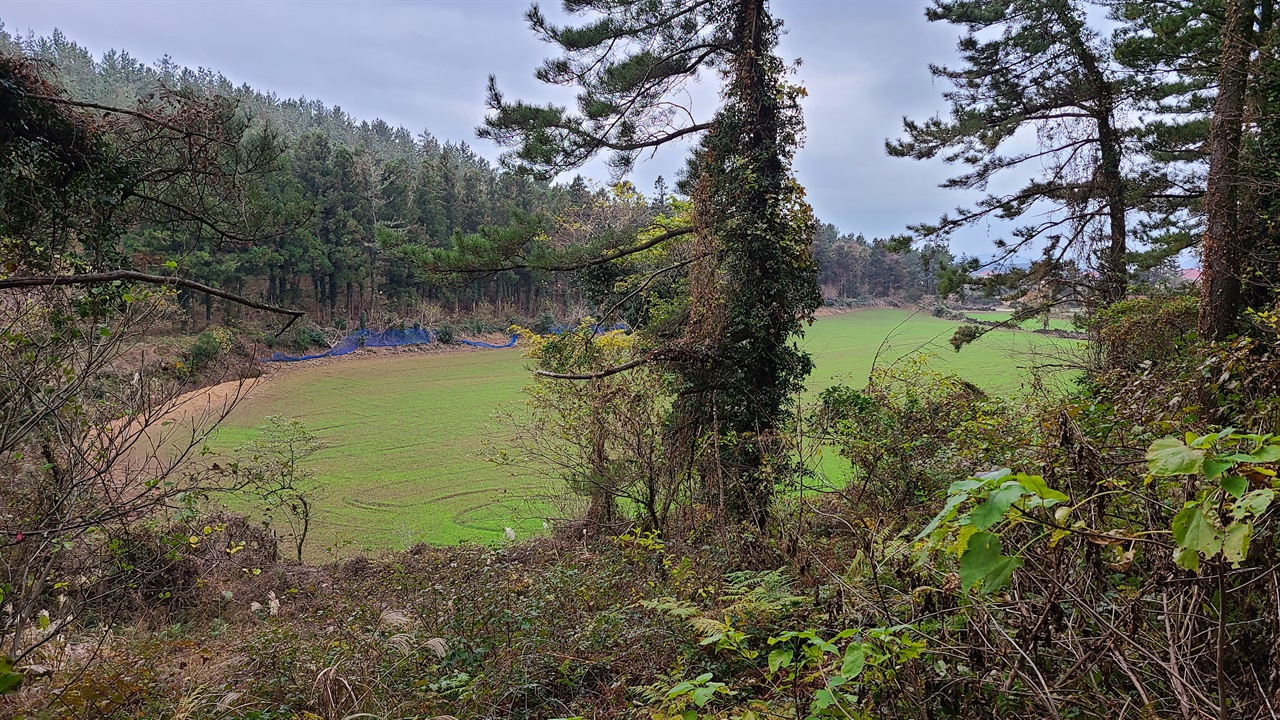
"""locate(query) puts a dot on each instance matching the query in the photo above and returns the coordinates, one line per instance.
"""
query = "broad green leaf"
(702, 695)
(992, 511)
(779, 659)
(854, 660)
(982, 562)
(1253, 503)
(960, 486)
(1037, 486)
(1193, 531)
(1214, 467)
(679, 689)
(823, 699)
(1187, 559)
(1170, 456)
(1235, 547)
(1233, 484)
(948, 512)
(9, 680)
(1266, 454)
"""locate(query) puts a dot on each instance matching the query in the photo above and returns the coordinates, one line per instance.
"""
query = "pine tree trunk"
(1222, 251)
(1115, 270)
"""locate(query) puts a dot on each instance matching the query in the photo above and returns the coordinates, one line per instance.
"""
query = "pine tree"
(1214, 69)
(628, 61)
(1034, 65)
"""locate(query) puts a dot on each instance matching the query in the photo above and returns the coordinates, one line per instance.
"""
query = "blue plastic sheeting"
(482, 344)
(385, 338)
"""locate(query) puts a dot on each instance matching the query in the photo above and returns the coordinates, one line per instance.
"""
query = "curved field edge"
(406, 431)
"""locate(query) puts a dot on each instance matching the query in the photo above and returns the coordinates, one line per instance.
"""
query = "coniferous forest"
(355, 202)
(705, 530)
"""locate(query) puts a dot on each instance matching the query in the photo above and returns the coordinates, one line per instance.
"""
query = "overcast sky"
(423, 64)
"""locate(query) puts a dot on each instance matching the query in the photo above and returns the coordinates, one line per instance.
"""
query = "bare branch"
(594, 375)
(116, 275)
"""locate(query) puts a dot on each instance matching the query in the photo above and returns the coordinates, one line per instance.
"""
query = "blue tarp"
(386, 338)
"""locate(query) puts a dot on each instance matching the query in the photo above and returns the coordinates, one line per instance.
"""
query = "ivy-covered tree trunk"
(762, 228)
(752, 279)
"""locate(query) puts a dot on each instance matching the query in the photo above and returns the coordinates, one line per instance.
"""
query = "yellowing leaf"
(1193, 531)
(1235, 546)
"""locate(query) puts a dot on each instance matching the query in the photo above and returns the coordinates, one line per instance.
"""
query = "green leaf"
(855, 658)
(679, 689)
(1193, 531)
(1213, 467)
(779, 659)
(1036, 485)
(1170, 456)
(702, 695)
(1187, 559)
(960, 486)
(982, 562)
(823, 699)
(948, 512)
(998, 474)
(1266, 454)
(9, 680)
(1235, 547)
(1254, 503)
(1233, 484)
(992, 511)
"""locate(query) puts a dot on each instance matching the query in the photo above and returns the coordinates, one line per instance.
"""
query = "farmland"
(406, 431)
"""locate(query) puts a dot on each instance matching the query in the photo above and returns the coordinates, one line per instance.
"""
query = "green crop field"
(1055, 323)
(406, 431)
